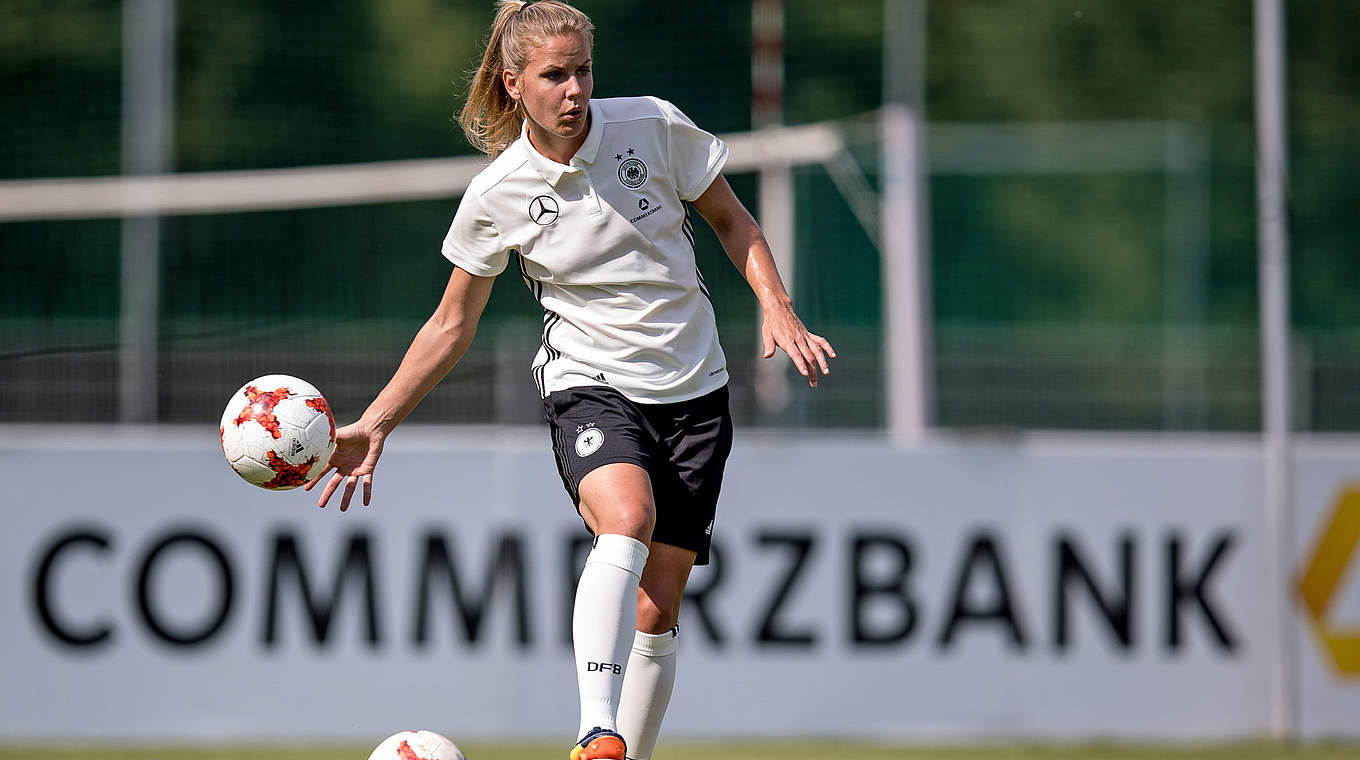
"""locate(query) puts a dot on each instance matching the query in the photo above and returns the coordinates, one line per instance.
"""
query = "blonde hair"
(490, 118)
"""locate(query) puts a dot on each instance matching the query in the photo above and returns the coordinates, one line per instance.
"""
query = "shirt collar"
(550, 170)
(591, 147)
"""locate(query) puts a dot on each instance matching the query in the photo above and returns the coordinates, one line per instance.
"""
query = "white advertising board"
(1032, 587)
(1325, 582)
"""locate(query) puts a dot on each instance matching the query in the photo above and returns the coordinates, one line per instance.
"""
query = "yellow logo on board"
(1321, 578)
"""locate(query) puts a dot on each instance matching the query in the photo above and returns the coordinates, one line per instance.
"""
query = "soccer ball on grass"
(416, 745)
(278, 432)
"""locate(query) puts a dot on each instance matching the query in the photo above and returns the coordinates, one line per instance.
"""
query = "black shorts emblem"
(589, 441)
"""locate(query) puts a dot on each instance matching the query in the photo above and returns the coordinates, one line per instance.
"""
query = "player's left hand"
(782, 329)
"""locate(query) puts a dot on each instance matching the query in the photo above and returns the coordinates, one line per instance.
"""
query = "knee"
(658, 612)
(617, 498)
(634, 519)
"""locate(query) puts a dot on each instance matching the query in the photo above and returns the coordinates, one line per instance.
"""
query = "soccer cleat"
(599, 744)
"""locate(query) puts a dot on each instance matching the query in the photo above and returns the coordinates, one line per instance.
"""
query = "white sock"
(602, 625)
(647, 688)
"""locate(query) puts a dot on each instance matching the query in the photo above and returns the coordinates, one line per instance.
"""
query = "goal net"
(326, 272)
(1089, 196)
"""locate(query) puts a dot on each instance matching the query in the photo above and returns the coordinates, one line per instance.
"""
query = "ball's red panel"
(261, 408)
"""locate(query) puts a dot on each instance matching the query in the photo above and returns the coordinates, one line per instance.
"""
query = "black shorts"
(682, 446)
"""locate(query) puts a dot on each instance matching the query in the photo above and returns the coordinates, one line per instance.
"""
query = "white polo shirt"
(606, 245)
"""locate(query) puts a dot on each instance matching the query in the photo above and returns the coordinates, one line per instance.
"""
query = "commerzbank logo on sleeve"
(1322, 577)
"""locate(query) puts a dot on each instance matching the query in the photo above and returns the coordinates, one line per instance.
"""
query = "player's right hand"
(357, 448)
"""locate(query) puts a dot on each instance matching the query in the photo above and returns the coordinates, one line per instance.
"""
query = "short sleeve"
(696, 156)
(473, 243)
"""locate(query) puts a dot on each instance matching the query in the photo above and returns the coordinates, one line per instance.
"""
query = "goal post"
(771, 153)
(1177, 151)
(338, 185)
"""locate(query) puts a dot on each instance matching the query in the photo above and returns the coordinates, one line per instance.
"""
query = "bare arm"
(434, 351)
(746, 246)
(437, 347)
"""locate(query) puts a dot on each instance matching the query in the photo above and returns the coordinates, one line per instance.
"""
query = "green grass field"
(715, 751)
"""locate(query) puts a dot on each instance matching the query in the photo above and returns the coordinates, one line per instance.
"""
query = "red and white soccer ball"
(278, 432)
(416, 745)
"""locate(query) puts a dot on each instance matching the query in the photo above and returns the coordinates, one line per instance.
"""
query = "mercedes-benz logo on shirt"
(543, 210)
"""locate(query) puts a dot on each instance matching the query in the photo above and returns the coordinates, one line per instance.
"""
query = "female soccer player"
(587, 198)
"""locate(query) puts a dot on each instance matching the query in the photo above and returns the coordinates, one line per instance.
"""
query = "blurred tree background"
(1049, 291)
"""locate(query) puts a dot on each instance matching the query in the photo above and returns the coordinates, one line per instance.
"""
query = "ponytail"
(490, 118)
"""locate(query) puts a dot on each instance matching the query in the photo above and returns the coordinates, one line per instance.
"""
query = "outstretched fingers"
(326, 492)
(809, 354)
(317, 479)
(350, 482)
(800, 362)
(354, 458)
(822, 350)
